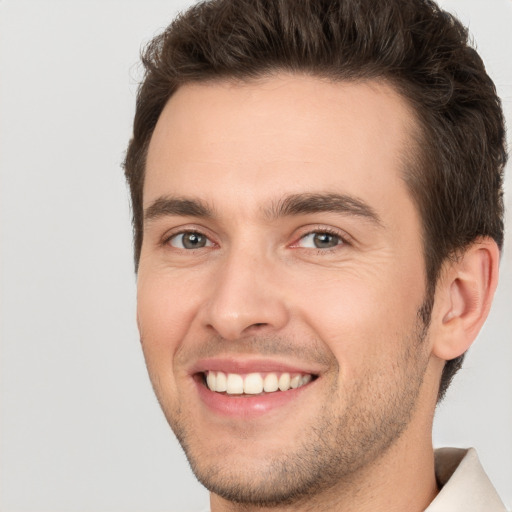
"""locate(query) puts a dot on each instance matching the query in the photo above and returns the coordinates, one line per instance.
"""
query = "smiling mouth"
(254, 383)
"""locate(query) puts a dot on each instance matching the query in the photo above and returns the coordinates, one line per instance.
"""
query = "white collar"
(465, 486)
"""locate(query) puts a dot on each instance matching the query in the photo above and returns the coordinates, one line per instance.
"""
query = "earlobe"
(463, 298)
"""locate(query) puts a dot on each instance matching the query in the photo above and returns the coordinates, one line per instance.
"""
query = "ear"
(463, 298)
(138, 326)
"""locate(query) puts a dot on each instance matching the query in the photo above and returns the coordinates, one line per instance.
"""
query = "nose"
(246, 298)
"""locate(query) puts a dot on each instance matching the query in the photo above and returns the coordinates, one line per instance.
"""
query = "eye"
(320, 240)
(190, 240)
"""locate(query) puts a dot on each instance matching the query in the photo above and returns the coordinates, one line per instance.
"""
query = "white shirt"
(465, 486)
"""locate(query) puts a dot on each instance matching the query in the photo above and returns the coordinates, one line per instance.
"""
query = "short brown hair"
(413, 44)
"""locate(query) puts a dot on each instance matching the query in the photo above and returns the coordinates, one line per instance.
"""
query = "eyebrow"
(184, 207)
(299, 204)
(295, 204)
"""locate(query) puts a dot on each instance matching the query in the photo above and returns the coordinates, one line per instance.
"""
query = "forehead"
(286, 134)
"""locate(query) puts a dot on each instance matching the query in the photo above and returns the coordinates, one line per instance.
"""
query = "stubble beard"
(336, 448)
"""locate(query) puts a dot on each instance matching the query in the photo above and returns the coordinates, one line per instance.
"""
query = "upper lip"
(245, 366)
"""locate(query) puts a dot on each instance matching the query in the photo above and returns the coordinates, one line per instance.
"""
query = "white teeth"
(254, 383)
(295, 381)
(284, 382)
(211, 380)
(235, 384)
(271, 383)
(222, 382)
(305, 379)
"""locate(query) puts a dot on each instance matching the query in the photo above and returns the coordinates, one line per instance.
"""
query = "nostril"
(255, 328)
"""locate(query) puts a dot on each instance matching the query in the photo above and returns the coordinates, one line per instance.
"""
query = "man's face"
(281, 249)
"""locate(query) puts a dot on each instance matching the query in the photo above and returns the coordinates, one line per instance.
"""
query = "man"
(316, 188)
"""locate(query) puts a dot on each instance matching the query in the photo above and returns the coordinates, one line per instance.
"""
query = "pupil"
(323, 240)
(193, 240)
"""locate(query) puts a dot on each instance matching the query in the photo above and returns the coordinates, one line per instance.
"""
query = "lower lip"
(247, 406)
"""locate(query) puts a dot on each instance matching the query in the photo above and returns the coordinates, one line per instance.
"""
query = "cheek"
(362, 321)
(165, 309)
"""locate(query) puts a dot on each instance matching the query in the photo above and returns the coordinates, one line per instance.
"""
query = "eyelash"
(167, 239)
(343, 239)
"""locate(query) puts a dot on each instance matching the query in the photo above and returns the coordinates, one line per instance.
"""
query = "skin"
(260, 289)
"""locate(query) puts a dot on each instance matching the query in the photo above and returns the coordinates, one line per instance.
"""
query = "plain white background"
(80, 429)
